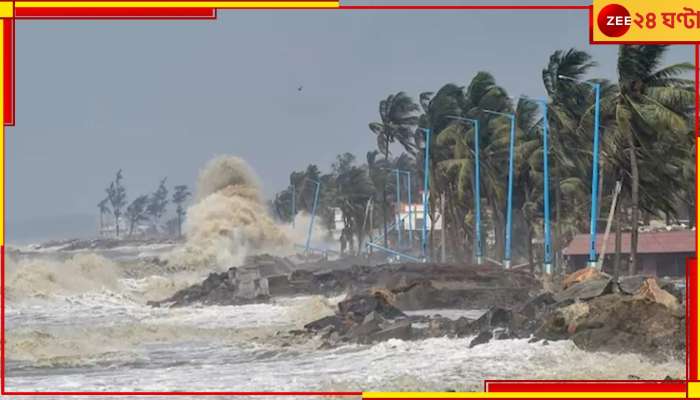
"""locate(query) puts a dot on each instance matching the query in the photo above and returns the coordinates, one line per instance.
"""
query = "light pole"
(426, 173)
(478, 249)
(313, 215)
(398, 208)
(509, 202)
(545, 162)
(410, 205)
(592, 257)
(399, 225)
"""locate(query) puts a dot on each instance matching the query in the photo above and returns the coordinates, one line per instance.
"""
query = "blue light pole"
(478, 249)
(426, 173)
(398, 208)
(509, 205)
(545, 161)
(410, 205)
(313, 215)
(592, 256)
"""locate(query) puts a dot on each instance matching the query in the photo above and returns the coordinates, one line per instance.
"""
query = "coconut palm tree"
(650, 111)
(398, 120)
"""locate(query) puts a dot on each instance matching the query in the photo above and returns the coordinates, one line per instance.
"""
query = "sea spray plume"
(228, 219)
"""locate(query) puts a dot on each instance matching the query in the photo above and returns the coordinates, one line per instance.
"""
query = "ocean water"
(81, 323)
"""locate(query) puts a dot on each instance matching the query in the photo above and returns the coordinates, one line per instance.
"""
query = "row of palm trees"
(646, 144)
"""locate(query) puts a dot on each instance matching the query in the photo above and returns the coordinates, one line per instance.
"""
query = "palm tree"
(650, 111)
(568, 102)
(398, 119)
(354, 188)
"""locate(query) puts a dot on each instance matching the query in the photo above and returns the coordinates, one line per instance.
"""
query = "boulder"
(359, 306)
(631, 284)
(397, 330)
(332, 320)
(585, 289)
(650, 290)
(581, 275)
(621, 324)
(482, 338)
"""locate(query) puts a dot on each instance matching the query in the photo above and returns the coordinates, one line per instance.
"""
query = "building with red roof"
(659, 253)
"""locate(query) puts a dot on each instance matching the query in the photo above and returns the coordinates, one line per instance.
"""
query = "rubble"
(597, 312)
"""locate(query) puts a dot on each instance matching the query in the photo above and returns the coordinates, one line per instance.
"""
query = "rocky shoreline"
(636, 314)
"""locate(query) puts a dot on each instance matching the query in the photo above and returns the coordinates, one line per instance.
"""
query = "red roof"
(649, 242)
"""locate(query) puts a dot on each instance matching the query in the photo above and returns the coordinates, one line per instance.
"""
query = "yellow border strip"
(693, 389)
(177, 4)
(523, 395)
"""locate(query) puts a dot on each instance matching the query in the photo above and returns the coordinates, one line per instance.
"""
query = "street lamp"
(545, 162)
(478, 250)
(509, 205)
(426, 173)
(592, 257)
(313, 214)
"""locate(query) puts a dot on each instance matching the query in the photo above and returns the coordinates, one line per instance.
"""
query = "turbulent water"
(79, 322)
(82, 324)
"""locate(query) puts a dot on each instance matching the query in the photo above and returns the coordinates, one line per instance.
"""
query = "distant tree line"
(146, 208)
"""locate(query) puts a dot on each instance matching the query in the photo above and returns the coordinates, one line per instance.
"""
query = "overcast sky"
(160, 98)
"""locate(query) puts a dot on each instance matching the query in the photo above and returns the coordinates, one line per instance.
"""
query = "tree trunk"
(499, 234)
(635, 205)
(557, 218)
(116, 223)
(618, 240)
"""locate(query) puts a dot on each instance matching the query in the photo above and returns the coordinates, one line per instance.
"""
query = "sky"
(160, 98)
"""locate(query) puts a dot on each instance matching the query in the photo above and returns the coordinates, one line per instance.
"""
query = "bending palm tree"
(398, 119)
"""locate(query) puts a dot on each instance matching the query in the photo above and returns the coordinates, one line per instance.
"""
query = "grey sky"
(160, 98)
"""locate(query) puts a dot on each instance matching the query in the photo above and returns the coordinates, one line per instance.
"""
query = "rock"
(332, 321)
(398, 330)
(631, 284)
(562, 322)
(584, 290)
(581, 275)
(677, 289)
(361, 332)
(651, 291)
(481, 338)
(631, 324)
(359, 306)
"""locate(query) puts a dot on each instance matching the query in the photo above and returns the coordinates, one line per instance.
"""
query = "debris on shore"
(633, 314)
